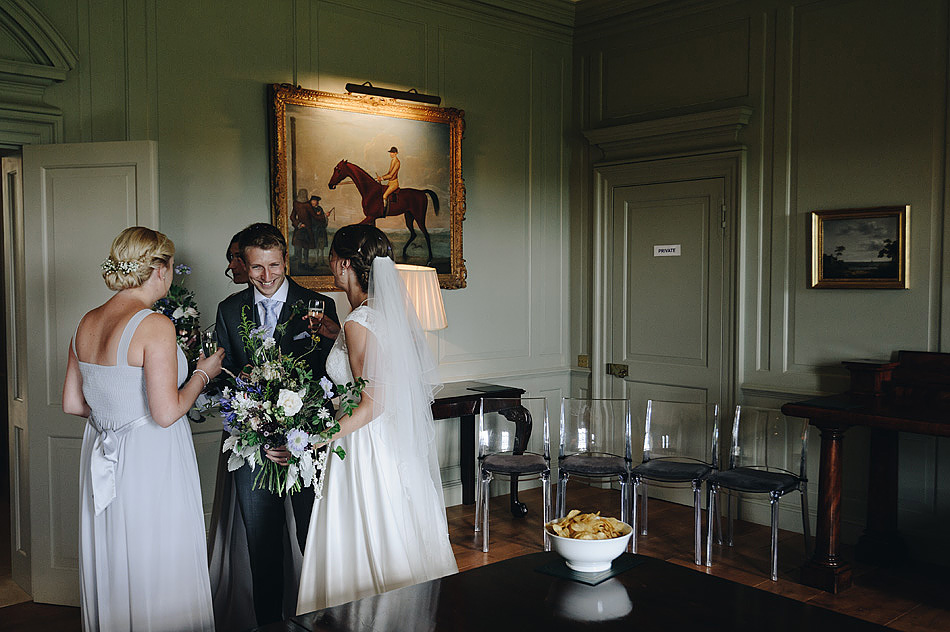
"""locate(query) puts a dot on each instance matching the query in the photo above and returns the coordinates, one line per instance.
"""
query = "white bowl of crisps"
(587, 542)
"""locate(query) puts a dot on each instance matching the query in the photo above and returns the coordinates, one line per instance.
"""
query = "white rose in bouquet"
(289, 401)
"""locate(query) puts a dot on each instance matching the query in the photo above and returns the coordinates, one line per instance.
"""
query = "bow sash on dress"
(105, 455)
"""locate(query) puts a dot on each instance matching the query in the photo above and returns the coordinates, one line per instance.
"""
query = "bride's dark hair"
(360, 244)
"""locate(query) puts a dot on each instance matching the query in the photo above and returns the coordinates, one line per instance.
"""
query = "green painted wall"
(849, 103)
(193, 75)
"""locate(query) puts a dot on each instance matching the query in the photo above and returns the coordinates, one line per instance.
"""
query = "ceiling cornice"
(553, 17)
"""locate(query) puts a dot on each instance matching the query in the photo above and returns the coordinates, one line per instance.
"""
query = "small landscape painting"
(860, 248)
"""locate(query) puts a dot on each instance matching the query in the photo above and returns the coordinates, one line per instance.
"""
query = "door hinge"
(722, 213)
(618, 370)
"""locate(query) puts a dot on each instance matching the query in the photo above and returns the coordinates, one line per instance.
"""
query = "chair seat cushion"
(593, 464)
(515, 463)
(746, 479)
(672, 471)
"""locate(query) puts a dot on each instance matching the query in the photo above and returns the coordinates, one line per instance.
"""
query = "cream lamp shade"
(422, 285)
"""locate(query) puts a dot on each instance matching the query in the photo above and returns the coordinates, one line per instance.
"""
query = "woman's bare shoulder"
(156, 325)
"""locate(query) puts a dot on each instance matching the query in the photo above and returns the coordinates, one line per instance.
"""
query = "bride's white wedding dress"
(381, 522)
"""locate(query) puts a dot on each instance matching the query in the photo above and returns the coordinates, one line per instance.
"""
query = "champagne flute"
(208, 343)
(315, 310)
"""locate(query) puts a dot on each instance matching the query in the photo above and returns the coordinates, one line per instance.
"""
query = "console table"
(910, 395)
(460, 399)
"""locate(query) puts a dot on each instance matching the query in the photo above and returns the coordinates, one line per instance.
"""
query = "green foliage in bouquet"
(275, 402)
(180, 306)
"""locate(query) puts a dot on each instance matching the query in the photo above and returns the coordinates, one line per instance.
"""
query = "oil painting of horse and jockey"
(340, 159)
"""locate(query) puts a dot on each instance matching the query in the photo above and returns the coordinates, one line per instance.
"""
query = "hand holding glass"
(208, 343)
(315, 313)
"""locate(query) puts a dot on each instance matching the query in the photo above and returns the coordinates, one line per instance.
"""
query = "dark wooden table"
(511, 595)
(833, 415)
(460, 399)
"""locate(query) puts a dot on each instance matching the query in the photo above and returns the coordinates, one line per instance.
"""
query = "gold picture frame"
(329, 159)
(865, 248)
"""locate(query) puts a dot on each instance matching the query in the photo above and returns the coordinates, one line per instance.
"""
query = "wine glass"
(208, 342)
(315, 310)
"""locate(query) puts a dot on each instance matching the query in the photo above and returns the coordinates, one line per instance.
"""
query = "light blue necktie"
(270, 314)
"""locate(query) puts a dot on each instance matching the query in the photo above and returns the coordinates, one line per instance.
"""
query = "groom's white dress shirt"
(280, 296)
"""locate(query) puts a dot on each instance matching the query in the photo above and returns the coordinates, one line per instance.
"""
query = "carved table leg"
(522, 420)
(826, 569)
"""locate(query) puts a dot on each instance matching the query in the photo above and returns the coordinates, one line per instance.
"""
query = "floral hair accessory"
(125, 266)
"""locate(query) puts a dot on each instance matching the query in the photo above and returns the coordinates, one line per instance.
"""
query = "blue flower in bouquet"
(298, 441)
(180, 306)
(275, 402)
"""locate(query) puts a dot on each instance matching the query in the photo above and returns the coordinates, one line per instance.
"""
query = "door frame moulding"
(51, 58)
(671, 141)
(704, 132)
(25, 119)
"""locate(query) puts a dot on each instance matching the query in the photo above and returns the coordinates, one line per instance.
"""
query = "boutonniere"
(294, 321)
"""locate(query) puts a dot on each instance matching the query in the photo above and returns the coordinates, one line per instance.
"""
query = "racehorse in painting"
(409, 202)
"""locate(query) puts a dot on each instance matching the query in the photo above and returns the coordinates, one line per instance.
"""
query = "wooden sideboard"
(910, 395)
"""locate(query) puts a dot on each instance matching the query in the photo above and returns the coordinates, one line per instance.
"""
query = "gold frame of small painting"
(865, 248)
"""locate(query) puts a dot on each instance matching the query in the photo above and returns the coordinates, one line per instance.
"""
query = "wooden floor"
(912, 598)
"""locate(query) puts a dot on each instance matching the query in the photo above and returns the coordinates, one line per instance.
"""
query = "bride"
(381, 522)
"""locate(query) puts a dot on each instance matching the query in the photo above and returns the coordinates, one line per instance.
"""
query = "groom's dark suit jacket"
(265, 534)
(228, 332)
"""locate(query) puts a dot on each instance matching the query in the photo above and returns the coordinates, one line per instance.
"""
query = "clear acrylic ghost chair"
(595, 442)
(680, 445)
(768, 455)
(504, 452)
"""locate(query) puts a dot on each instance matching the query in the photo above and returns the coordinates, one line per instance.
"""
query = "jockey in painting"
(391, 176)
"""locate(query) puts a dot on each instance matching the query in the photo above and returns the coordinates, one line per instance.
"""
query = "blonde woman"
(143, 562)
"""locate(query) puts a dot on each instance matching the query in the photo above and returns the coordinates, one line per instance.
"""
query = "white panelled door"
(668, 270)
(668, 286)
(76, 199)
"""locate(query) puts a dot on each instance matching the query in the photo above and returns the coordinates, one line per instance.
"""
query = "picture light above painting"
(339, 159)
(861, 248)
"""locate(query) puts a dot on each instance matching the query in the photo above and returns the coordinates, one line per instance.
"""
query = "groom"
(268, 301)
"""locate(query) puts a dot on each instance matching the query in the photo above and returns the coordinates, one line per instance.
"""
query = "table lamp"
(422, 285)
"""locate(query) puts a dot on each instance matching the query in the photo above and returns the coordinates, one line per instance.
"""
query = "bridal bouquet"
(180, 306)
(276, 402)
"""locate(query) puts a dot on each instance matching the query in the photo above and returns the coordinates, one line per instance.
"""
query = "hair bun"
(135, 252)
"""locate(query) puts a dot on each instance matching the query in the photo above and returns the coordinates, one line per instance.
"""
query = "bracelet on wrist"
(207, 379)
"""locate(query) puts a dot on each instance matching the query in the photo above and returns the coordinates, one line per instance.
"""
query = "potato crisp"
(589, 526)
